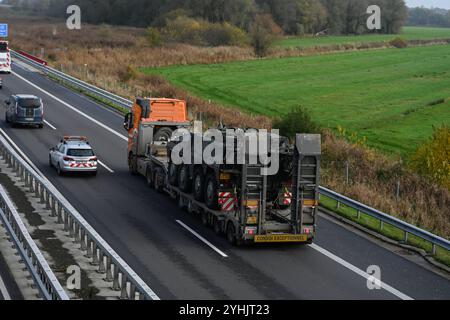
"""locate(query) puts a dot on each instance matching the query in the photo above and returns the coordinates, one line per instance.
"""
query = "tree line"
(295, 17)
(429, 17)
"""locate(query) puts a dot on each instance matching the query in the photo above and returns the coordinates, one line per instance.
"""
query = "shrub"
(199, 32)
(215, 34)
(399, 43)
(153, 37)
(184, 30)
(432, 158)
(130, 73)
(263, 33)
(296, 121)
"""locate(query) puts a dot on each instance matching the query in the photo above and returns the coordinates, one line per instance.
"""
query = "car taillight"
(93, 159)
(68, 159)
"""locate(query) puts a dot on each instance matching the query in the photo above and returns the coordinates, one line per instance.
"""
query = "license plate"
(282, 238)
(29, 119)
(82, 162)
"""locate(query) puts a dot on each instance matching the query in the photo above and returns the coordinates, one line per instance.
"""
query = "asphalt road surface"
(141, 225)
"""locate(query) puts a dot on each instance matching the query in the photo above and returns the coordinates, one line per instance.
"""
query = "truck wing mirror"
(128, 122)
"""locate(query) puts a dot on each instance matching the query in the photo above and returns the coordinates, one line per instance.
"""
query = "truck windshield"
(3, 47)
(80, 152)
(29, 103)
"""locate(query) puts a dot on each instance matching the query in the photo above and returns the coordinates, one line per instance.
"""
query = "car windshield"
(29, 103)
(80, 152)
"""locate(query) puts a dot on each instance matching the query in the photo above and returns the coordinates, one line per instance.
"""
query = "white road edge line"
(105, 166)
(360, 272)
(315, 247)
(49, 124)
(73, 108)
(209, 244)
(19, 151)
(3, 290)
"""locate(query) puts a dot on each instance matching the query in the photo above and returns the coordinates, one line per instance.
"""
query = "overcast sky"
(429, 3)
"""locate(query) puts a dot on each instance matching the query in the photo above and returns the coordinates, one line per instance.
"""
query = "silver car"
(73, 154)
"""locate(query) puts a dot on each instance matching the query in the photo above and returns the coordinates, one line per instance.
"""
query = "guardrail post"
(83, 240)
(31, 184)
(358, 214)
(381, 225)
(406, 237)
(66, 221)
(47, 200)
(89, 247)
(60, 217)
(27, 179)
(36, 188)
(109, 272)
(42, 193)
(434, 249)
(116, 286)
(77, 233)
(132, 291)
(124, 291)
(95, 260)
(338, 204)
(53, 206)
(101, 266)
(71, 227)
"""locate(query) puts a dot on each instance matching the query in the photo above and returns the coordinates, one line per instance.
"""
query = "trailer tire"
(164, 134)
(159, 180)
(205, 218)
(198, 185)
(184, 181)
(149, 177)
(132, 164)
(217, 226)
(231, 234)
(173, 174)
(211, 192)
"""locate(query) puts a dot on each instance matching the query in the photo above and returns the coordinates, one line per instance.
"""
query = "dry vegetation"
(113, 56)
(373, 181)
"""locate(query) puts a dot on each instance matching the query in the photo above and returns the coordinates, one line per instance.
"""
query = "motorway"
(141, 225)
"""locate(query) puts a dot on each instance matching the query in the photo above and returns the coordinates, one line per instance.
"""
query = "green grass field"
(384, 95)
(409, 33)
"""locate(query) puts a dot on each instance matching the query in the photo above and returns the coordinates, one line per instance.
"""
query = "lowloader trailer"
(237, 200)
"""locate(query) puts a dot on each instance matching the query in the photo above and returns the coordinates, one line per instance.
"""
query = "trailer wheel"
(198, 185)
(173, 174)
(163, 135)
(181, 203)
(159, 180)
(149, 176)
(132, 164)
(183, 179)
(211, 189)
(231, 234)
(205, 218)
(217, 226)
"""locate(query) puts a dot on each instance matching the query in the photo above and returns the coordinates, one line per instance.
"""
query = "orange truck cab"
(152, 120)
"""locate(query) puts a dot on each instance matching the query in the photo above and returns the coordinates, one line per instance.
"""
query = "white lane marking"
(209, 244)
(73, 108)
(360, 272)
(50, 125)
(3, 290)
(315, 247)
(105, 166)
(19, 151)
